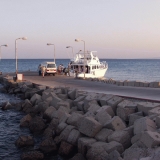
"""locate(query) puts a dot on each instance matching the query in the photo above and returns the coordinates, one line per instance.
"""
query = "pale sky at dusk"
(114, 28)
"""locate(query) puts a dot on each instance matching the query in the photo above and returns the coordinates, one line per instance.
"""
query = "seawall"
(85, 125)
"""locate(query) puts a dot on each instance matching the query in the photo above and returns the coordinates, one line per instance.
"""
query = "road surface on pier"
(90, 86)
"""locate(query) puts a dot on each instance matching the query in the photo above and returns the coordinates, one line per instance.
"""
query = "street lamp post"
(23, 38)
(54, 50)
(78, 40)
(72, 49)
(5, 45)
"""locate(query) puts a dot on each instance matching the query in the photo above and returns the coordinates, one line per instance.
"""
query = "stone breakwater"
(126, 82)
(82, 125)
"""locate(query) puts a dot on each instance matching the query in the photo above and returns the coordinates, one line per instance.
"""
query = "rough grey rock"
(88, 126)
(54, 101)
(24, 122)
(88, 104)
(73, 119)
(78, 99)
(63, 96)
(62, 116)
(73, 137)
(93, 108)
(146, 106)
(108, 147)
(41, 107)
(122, 137)
(102, 117)
(36, 155)
(7, 105)
(83, 144)
(107, 109)
(133, 117)
(48, 145)
(36, 124)
(130, 130)
(154, 111)
(64, 104)
(125, 108)
(24, 141)
(97, 154)
(114, 101)
(158, 122)
(66, 149)
(40, 87)
(78, 156)
(80, 106)
(90, 97)
(114, 155)
(72, 94)
(65, 133)
(115, 124)
(27, 106)
(49, 112)
(137, 153)
(34, 98)
(49, 133)
(144, 124)
(103, 100)
(150, 139)
(60, 128)
(64, 109)
(103, 135)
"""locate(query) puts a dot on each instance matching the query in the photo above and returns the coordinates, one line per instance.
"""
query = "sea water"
(118, 69)
(10, 131)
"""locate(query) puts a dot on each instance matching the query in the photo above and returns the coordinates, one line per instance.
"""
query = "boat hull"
(98, 73)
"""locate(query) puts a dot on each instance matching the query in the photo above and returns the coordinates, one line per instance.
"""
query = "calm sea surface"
(10, 131)
(119, 69)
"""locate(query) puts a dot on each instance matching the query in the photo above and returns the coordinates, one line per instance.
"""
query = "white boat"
(93, 67)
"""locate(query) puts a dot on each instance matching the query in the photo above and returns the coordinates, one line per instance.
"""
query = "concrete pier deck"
(90, 86)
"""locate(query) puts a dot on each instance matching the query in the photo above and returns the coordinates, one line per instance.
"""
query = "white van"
(51, 68)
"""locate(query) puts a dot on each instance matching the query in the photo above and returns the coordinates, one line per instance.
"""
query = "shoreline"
(81, 124)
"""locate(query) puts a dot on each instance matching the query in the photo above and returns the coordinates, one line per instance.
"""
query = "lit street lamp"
(54, 50)
(5, 45)
(78, 40)
(72, 49)
(23, 38)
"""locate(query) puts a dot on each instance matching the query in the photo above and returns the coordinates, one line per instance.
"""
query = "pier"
(145, 93)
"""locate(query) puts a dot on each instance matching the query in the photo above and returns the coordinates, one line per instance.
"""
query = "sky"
(124, 29)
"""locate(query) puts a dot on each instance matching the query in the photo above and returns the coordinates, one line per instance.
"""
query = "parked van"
(51, 68)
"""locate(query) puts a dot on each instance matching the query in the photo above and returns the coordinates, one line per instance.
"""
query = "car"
(51, 68)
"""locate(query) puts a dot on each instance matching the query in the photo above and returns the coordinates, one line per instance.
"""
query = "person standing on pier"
(39, 69)
(43, 70)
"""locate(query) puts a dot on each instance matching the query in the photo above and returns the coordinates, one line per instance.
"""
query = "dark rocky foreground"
(82, 125)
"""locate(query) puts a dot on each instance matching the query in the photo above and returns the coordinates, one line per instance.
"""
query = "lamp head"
(68, 47)
(5, 45)
(77, 40)
(24, 38)
(49, 44)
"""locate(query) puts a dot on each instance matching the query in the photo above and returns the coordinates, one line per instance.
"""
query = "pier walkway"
(98, 87)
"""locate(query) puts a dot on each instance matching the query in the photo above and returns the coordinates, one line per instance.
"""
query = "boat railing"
(103, 65)
(81, 61)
